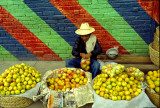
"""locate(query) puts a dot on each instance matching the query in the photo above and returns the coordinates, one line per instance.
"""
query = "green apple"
(8, 92)
(12, 92)
(38, 79)
(17, 92)
(3, 92)
(23, 91)
(30, 82)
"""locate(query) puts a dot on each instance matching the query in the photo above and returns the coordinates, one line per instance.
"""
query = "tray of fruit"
(153, 89)
(17, 85)
(118, 87)
(67, 79)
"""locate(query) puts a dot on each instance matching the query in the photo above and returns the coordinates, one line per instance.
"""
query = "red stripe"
(77, 14)
(25, 37)
(151, 7)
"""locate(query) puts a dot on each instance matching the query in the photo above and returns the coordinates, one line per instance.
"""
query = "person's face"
(85, 37)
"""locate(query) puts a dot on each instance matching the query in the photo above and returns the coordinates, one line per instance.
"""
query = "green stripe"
(5, 55)
(36, 25)
(103, 12)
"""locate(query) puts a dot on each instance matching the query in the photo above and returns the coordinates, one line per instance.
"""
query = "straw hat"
(85, 29)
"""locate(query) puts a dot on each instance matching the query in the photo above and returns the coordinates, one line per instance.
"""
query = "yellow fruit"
(157, 83)
(150, 81)
(157, 90)
(153, 78)
(147, 77)
(152, 86)
(150, 73)
(155, 75)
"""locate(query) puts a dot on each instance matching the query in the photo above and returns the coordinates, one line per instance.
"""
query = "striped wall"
(45, 29)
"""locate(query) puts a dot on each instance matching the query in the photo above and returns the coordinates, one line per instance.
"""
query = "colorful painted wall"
(45, 29)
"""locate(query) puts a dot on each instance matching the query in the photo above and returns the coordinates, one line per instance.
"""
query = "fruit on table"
(118, 87)
(153, 80)
(18, 78)
(67, 79)
(85, 64)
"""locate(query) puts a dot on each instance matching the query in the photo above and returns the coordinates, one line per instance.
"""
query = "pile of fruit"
(121, 86)
(67, 79)
(85, 64)
(153, 80)
(132, 71)
(112, 70)
(18, 78)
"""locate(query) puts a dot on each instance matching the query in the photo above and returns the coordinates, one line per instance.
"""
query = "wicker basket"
(154, 55)
(15, 102)
(154, 97)
(156, 42)
(157, 31)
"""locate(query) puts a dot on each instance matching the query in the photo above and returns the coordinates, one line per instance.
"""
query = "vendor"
(86, 46)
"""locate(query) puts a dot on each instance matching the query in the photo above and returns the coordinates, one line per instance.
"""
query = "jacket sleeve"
(76, 48)
(97, 49)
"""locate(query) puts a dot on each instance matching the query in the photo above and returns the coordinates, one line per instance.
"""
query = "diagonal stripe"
(37, 26)
(77, 14)
(6, 55)
(151, 7)
(55, 19)
(138, 19)
(25, 37)
(13, 47)
(115, 25)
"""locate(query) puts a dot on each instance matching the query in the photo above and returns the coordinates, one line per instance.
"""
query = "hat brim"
(84, 32)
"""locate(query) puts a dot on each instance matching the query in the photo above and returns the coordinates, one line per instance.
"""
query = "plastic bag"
(85, 64)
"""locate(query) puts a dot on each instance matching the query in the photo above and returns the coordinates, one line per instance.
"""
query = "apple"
(86, 68)
(28, 87)
(12, 92)
(65, 70)
(19, 87)
(114, 98)
(17, 92)
(124, 84)
(23, 91)
(88, 62)
(38, 80)
(3, 92)
(10, 88)
(6, 84)
(18, 80)
(1, 88)
(30, 82)
(82, 73)
(128, 97)
(15, 76)
(109, 87)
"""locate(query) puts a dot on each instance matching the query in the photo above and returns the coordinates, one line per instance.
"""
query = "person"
(86, 46)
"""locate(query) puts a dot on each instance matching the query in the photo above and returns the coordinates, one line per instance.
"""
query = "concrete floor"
(42, 67)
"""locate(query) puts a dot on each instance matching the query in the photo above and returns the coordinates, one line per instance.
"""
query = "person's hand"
(83, 55)
(87, 56)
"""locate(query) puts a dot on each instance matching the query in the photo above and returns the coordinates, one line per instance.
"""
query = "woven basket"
(157, 31)
(15, 102)
(154, 55)
(154, 97)
(156, 42)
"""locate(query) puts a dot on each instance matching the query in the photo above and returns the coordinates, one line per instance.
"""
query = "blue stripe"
(14, 47)
(54, 18)
(136, 17)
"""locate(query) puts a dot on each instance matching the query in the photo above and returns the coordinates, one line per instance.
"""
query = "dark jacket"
(80, 47)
